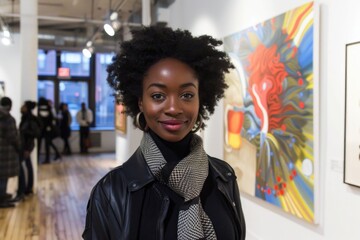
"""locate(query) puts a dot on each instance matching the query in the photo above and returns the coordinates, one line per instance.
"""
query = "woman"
(65, 130)
(30, 129)
(170, 188)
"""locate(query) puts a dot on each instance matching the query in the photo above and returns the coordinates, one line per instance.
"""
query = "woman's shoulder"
(219, 162)
(121, 178)
(113, 180)
(221, 166)
(112, 177)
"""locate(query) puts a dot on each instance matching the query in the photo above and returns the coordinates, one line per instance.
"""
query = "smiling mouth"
(172, 125)
(172, 122)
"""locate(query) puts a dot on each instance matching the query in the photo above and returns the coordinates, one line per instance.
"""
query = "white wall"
(339, 216)
(10, 69)
(126, 144)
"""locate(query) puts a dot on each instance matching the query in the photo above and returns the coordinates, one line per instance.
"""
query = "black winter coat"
(30, 129)
(9, 146)
(113, 210)
(65, 122)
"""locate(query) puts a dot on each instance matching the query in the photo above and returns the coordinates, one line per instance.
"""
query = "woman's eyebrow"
(161, 85)
(190, 84)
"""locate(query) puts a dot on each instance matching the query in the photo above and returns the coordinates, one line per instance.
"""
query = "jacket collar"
(137, 171)
(220, 171)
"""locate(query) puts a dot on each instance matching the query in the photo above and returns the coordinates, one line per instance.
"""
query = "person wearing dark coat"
(170, 188)
(9, 150)
(65, 120)
(49, 131)
(29, 129)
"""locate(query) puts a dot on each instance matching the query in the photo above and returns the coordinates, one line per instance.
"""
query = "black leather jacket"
(113, 210)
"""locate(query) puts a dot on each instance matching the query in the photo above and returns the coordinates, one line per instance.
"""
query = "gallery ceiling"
(69, 24)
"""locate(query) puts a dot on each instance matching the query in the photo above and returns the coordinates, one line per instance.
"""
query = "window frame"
(89, 79)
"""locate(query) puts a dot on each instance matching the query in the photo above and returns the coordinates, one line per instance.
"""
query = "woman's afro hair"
(151, 44)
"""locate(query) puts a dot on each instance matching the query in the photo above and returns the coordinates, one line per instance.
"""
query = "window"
(86, 83)
(104, 99)
(73, 93)
(78, 64)
(46, 62)
(46, 90)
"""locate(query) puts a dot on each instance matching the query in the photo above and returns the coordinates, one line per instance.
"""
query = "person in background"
(30, 129)
(169, 188)
(48, 129)
(9, 150)
(84, 117)
(53, 110)
(65, 120)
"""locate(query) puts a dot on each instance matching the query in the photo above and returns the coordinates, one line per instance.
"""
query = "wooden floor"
(57, 211)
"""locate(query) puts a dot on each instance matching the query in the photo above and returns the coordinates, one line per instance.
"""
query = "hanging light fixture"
(112, 24)
(109, 29)
(6, 36)
(88, 50)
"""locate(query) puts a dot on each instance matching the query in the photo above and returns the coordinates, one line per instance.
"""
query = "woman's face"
(23, 109)
(170, 99)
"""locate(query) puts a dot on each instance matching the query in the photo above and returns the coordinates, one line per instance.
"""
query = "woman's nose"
(173, 106)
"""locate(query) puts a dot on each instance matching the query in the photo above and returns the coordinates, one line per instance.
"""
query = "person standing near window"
(84, 117)
(49, 131)
(9, 150)
(65, 120)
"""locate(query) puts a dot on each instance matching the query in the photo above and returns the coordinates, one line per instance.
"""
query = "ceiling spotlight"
(88, 50)
(109, 29)
(6, 41)
(5, 34)
(113, 16)
(112, 24)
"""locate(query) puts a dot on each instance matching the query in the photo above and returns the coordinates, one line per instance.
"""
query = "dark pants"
(84, 139)
(48, 143)
(30, 176)
(21, 181)
(67, 149)
(25, 184)
(3, 185)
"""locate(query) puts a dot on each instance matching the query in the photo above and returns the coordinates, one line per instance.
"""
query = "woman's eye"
(187, 96)
(157, 97)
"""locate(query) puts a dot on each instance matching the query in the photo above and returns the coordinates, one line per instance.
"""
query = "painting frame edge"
(346, 117)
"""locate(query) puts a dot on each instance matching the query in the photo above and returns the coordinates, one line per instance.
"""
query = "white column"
(146, 12)
(28, 56)
(29, 48)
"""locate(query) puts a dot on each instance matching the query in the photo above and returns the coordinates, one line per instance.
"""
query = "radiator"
(95, 138)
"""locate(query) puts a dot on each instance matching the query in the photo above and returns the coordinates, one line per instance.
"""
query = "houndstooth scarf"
(187, 180)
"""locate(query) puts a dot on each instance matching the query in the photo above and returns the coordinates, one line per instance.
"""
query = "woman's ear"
(140, 104)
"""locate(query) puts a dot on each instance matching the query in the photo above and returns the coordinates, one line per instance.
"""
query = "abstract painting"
(269, 111)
